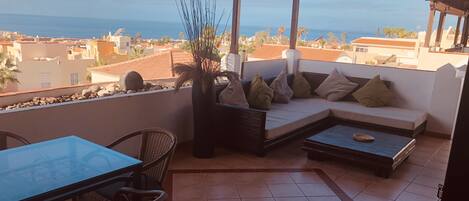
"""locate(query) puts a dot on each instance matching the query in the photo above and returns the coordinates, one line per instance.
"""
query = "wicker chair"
(126, 194)
(156, 150)
(5, 135)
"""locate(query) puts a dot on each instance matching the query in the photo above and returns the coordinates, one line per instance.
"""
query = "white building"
(46, 65)
(122, 43)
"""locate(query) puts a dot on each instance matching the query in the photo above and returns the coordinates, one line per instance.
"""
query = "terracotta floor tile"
(407, 172)
(352, 187)
(292, 199)
(433, 173)
(254, 191)
(406, 196)
(316, 190)
(276, 178)
(220, 179)
(226, 199)
(258, 199)
(222, 192)
(422, 190)
(285, 190)
(183, 180)
(327, 198)
(417, 177)
(387, 189)
(189, 193)
(366, 197)
(431, 182)
(437, 165)
(306, 178)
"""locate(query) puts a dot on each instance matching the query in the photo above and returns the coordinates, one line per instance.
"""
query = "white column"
(234, 63)
(293, 57)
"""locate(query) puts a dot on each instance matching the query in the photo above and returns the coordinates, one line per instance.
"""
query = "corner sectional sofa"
(258, 131)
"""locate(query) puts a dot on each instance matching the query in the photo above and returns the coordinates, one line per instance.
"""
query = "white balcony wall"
(104, 120)
(265, 68)
(435, 92)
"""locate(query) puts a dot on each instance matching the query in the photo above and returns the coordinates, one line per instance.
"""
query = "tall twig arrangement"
(201, 23)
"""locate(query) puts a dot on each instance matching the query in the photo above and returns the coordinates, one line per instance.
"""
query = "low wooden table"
(383, 155)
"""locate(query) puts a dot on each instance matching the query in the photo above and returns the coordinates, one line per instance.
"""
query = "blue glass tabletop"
(32, 170)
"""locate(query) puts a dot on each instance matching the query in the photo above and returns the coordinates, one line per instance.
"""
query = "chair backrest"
(4, 136)
(156, 150)
(158, 147)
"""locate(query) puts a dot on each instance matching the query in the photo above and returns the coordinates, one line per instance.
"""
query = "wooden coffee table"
(383, 155)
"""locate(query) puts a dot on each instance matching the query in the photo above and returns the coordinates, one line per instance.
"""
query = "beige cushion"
(285, 118)
(375, 93)
(335, 87)
(301, 87)
(282, 92)
(385, 116)
(260, 94)
(234, 94)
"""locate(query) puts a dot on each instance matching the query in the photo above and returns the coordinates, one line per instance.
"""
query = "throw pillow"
(282, 92)
(233, 94)
(335, 87)
(301, 87)
(374, 93)
(260, 94)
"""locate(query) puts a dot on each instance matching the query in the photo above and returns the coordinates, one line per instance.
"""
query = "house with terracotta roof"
(385, 51)
(269, 51)
(45, 65)
(156, 66)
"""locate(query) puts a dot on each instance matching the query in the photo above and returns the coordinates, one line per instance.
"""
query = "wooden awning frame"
(452, 7)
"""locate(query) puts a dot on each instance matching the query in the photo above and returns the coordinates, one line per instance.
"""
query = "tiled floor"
(251, 186)
(415, 180)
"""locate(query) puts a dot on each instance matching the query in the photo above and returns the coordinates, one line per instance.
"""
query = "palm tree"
(302, 31)
(8, 72)
(280, 32)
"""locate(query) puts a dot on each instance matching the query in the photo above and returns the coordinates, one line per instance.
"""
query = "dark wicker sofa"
(245, 129)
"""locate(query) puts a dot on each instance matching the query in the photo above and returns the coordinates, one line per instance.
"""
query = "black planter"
(203, 103)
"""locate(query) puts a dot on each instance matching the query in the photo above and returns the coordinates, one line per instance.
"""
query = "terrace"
(285, 173)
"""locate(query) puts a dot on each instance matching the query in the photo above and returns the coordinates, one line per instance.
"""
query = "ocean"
(75, 27)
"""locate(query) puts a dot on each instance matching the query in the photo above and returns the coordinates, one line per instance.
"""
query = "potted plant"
(200, 21)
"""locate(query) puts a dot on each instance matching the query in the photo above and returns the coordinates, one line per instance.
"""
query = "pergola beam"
(234, 48)
(443, 7)
(431, 18)
(457, 31)
(464, 32)
(439, 32)
(294, 24)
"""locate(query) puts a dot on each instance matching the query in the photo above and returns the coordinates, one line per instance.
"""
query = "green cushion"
(260, 95)
(301, 87)
(375, 93)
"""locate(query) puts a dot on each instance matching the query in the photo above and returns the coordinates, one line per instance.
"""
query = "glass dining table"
(59, 169)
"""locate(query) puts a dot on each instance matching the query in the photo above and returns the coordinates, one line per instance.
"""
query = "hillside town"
(45, 62)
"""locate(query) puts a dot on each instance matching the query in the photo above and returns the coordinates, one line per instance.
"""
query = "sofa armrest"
(240, 128)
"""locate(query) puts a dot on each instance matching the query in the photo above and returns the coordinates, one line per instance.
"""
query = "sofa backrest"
(315, 79)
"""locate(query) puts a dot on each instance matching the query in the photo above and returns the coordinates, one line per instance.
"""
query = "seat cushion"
(384, 116)
(284, 118)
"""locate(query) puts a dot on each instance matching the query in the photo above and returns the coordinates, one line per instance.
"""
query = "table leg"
(137, 178)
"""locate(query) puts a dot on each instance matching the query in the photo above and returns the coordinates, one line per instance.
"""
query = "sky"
(350, 15)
